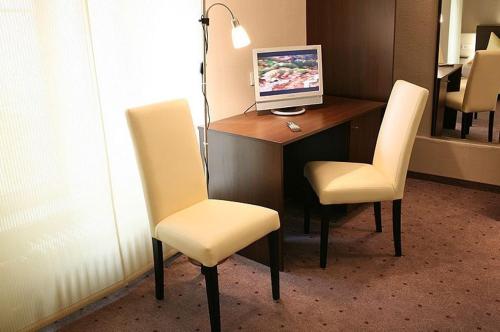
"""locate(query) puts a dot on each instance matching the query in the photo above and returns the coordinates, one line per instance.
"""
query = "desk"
(448, 79)
(256, 159)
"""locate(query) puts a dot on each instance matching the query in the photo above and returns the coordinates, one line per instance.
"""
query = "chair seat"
(455, 99)
(212, 230)
(343, 183)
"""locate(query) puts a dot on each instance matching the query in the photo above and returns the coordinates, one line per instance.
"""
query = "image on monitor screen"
(286, 72)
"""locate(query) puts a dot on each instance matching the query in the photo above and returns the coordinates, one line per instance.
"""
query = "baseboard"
(455, 182)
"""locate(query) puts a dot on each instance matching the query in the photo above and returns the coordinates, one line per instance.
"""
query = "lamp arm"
(219, 4)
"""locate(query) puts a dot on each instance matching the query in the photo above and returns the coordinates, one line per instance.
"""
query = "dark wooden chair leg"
(490, 126)
(307, 206)
(468, 117)
(212, 285)
(463, 129)
(158, 266)
(378, 216)
(475, 115)
(325, 228)
(273, 239)
(396, 226)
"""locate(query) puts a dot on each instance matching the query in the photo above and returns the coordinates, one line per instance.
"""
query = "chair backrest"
(397, 132)
(168, 157)
(483, 84)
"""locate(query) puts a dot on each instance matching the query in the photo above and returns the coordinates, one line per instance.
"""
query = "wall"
(477, 12)
(414, 56)
(415, 48)
(269, 24)
(456, 159)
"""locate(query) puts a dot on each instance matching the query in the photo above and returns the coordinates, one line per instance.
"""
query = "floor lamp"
(240, 39)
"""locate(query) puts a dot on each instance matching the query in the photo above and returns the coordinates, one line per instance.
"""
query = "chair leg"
(212, 285)
(325, 228)
(468, 117)
(396, 226)
(158, 266)
(273, 239)
(463, 129)
(307, 205)
(378, 216)
(475, 115)
(490, 126)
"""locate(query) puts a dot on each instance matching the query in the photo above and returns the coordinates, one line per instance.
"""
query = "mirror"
(466, 26)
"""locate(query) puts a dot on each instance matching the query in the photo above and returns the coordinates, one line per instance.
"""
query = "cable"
(249, 107)
(205, 35)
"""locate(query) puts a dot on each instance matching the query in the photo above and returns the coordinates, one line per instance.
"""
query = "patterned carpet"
(447, 280)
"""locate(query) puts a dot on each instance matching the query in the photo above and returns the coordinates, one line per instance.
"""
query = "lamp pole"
(240, 39)
(204, 88)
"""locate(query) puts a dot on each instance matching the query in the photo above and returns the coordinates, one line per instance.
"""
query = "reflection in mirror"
(467, 88)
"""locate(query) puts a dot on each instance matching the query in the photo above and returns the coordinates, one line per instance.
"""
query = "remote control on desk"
(293, 126)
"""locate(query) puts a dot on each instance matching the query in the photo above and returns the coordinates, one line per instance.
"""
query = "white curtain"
(454, 37)
(72, 216)
(145, 51)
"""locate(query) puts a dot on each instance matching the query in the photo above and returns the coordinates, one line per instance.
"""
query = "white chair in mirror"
(480, 93)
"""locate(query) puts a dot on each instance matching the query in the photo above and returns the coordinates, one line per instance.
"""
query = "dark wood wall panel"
(363, 137)
(483, 35)
(358, 45)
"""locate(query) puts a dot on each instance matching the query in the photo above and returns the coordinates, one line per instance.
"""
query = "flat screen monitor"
(288, 77)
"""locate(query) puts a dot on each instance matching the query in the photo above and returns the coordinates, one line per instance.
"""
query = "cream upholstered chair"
(180, 213)
(480, 93)
(383, 180)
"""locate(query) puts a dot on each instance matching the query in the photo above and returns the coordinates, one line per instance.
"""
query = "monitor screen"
(291, 71)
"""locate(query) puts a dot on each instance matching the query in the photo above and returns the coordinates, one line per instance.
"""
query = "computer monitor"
(287, 78)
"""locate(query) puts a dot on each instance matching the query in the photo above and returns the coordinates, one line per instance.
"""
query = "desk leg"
(450, 118)
(249, 171)
(450, 115)
(438, 112)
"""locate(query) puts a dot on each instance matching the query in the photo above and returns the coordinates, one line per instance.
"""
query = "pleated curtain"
(73, 223)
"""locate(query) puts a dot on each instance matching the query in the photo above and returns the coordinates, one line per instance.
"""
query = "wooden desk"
(448, 79)
(256, 159)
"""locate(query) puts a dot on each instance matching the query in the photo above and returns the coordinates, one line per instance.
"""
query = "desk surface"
(273, 128)
(447, 70)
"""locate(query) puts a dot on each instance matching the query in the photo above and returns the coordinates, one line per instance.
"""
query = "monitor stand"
(288, 111)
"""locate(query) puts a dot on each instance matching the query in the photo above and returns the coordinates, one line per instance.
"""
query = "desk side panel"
(245, 170)
(248, 171)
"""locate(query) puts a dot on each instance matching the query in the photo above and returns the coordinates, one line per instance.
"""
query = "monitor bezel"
(295, 95)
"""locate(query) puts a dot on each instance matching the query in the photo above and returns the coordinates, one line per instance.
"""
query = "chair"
(180, 213)
(384, 179)
(480, 93)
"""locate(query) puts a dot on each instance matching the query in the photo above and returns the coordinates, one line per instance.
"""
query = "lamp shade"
(239, 35)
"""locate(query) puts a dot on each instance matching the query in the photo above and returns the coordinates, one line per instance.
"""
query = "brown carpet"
(447, 280)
